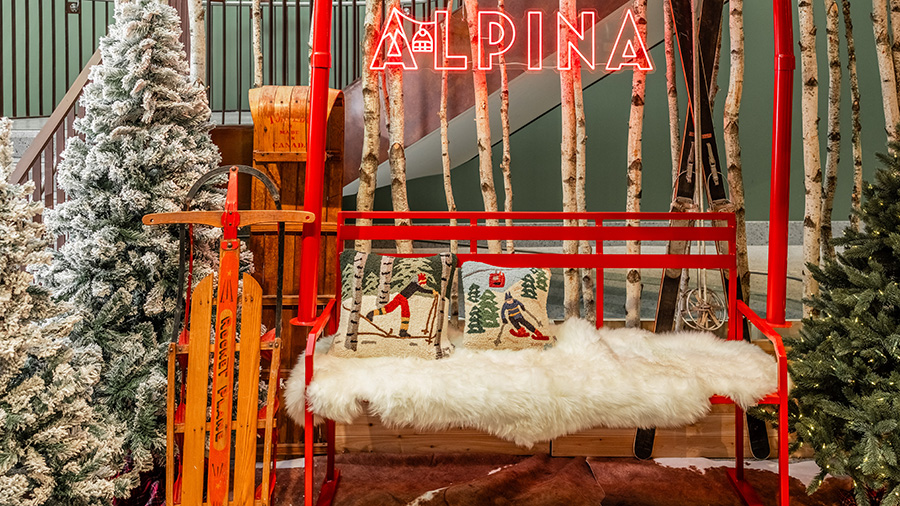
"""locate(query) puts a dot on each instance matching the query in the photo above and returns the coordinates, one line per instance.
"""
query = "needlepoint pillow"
(506, 308)
(392, 306)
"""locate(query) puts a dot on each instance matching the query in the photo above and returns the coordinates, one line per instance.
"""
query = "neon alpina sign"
(497, 33)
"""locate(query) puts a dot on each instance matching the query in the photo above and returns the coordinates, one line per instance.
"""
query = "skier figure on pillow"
(512, 312)
(401, 300)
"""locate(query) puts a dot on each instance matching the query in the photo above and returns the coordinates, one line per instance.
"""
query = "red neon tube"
(781, 163)
(315, 162)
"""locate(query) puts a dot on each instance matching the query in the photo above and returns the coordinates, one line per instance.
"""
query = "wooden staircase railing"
(40, 161)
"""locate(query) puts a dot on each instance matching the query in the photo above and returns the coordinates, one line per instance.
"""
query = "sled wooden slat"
(197, 380)
(248, 393)
(270, 426)
(218, 478)
(214, 218)
(170, 425)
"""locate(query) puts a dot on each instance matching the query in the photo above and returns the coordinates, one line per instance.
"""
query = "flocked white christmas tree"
(146, 141)
(54, 448)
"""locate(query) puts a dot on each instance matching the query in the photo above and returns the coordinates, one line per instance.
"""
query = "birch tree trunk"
(359, 263)
(855, 141)
(584, 247)
(811, 161)
(885, 67)
(397, 149)
(445, 154)
(368, 167)
(633, 284)
(732, 138)
(197, 16)
(672, 90)
(445, 165)
(895, 39)
(833, 149)
(714, 84)
(385, 275)
(568, 157)
(256, 17)
(504, 123)
(482, 124)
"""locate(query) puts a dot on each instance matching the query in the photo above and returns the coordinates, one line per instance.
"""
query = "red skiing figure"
(512, 311)
(401, 300)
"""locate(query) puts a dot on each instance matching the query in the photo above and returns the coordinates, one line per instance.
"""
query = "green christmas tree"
(845, 364)
(146, 142)
(528, 287)
(474, 321)
(540, 276)
(488, 310)
(54, 448)
(474, 294)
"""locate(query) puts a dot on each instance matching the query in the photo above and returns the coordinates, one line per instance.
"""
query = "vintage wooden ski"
(683, 201)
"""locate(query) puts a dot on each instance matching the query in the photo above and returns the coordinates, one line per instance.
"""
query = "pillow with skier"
(506, 308)
(393, 306)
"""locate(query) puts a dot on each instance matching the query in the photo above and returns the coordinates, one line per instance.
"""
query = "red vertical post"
(315, 162)
(781, 162)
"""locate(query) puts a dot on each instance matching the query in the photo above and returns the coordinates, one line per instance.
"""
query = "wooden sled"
(196, 476)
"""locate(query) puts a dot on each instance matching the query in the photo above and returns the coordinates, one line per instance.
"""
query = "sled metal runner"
(187, 427)
(471, 228)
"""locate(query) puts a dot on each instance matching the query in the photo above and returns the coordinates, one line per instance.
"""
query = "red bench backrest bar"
(547, 226)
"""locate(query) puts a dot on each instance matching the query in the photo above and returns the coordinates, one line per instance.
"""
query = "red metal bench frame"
(548, 227)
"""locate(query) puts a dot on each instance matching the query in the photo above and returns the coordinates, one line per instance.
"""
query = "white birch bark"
(855, 140)
(714, 84)
(811, 160)
(482, 125)
(197, 16)
(446, 269)
(732, 138)
(504, 123)
(359, 264)
(584, 247)
(256, 19)
(672, 90)
(885, 67)
(633, 284)
(385, 275)
(448, 186)
(368, 167)
(397, 149)
(568, 155)
(895, 40)
(833, 147)
(445, 153)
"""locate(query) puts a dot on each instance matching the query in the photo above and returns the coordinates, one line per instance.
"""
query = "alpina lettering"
(497, 34)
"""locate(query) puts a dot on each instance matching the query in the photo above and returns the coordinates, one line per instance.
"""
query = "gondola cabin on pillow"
(393, 306)
(506, 308)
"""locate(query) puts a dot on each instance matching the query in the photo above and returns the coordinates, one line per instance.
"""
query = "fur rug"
(618, 378)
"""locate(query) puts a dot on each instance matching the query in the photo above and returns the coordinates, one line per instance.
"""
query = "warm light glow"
(397, 47)
(394, 45)
(627, 54)
(491, 27)
(454, 61)
(535, 35)
(565, 46)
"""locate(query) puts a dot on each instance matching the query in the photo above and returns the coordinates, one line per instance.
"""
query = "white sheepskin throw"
(617, 378)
